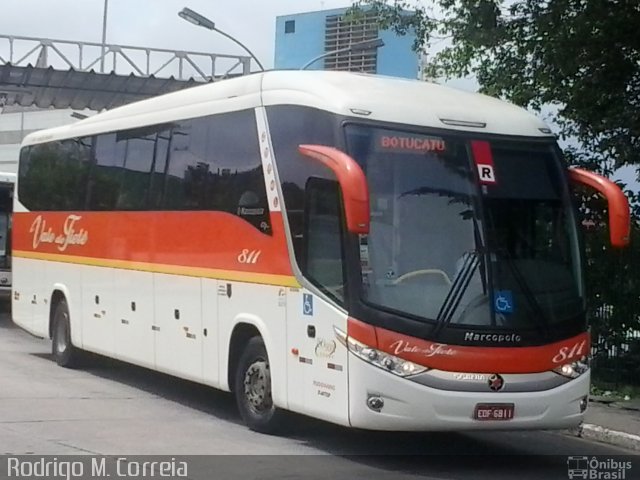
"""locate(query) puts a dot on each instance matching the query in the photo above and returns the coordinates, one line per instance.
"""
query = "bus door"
(317, 364)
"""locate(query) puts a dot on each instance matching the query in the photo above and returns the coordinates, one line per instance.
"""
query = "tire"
(64, 353)
(252, 387)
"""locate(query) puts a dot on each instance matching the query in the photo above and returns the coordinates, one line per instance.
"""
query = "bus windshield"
(444, 248)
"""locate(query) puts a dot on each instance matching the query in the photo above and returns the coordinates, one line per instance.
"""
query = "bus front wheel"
(64, 353)
(252, 387)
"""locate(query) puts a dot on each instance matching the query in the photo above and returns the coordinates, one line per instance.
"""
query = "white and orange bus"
(375, 252)
(7, 182)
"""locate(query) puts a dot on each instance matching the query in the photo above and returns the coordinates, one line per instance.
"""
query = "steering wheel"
(428, 271)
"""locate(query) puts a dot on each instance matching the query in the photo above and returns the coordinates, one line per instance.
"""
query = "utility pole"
(104, 34)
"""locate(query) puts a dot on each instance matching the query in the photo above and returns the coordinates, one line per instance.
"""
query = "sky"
(155, 23)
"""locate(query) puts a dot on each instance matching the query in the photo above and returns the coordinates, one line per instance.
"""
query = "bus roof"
(373, 97)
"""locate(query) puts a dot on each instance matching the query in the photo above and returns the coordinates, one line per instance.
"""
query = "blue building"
(304, 36)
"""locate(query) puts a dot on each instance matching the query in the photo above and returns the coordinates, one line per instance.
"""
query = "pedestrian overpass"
(64, 74)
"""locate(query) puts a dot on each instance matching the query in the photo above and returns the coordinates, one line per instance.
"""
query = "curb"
(604, 435)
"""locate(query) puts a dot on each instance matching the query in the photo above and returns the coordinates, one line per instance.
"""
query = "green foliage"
(582, 58)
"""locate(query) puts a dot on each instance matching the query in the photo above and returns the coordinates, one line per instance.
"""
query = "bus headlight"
(573, 369)
(385, 361)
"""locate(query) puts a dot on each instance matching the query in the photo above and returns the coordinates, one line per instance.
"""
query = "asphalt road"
(110, 408)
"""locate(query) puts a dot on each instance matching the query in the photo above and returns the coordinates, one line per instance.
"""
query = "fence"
(617, 362)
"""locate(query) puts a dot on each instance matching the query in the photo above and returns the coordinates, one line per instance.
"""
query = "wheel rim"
(61, 336)
(257, 387)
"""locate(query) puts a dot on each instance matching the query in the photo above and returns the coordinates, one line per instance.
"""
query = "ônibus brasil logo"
(594, 468)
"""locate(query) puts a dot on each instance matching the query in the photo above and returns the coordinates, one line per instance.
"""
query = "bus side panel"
(262, 306)
(210, 334)
(134, 337)
(23, 289)
(317, 376)
(98, 309)
(178, 327)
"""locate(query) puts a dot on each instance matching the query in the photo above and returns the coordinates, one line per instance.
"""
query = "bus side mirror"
(353, 183)
(619, 214)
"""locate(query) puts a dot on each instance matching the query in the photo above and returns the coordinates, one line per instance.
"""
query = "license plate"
(494, 411)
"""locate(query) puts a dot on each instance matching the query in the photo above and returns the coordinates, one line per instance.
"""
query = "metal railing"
(120, 59)
(617, 361)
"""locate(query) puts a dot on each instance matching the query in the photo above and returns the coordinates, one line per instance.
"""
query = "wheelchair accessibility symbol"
(503, 301)
(307, 304)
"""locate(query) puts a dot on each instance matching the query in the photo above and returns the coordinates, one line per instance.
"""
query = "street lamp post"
(202, 21)
(104, 34)
(354, 47)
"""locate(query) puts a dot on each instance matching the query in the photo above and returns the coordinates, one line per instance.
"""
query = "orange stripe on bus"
(181, 241)
(363, 332)
(460, 358)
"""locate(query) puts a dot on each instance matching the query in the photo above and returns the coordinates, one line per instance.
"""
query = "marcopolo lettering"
(492, 337)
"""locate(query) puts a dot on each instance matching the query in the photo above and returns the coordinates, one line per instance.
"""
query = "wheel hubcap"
(257, 386)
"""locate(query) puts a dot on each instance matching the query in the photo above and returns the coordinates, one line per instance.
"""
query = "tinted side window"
(159, 170)
(324, 259)
(208, 163)
(106, 172)
(54, 176)
(214, 164)
(139, 151)
(291, 126)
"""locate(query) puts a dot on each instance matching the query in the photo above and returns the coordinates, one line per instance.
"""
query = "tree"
(579, 57)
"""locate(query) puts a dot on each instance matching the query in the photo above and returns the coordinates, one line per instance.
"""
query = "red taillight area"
(362, 332)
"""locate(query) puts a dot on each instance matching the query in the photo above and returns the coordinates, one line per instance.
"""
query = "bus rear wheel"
(252, 387)
(64, 353)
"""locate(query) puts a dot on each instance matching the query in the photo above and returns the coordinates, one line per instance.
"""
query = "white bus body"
(166, 233)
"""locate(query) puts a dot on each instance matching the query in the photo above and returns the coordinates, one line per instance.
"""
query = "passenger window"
(53, 176)
(291, 126)
(215, 164)
(139, 148)
(207, 163)
(158, 173)
(106, 173)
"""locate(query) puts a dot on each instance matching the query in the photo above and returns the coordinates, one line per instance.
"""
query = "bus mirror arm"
(619, 213)
(353, 183)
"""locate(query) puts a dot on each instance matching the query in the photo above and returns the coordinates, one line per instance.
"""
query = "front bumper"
(410, 406)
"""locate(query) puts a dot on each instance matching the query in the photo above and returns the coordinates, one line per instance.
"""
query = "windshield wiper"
(457, 291)
(461, 282)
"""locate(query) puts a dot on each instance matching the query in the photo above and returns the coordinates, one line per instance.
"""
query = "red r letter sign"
(484, 161)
